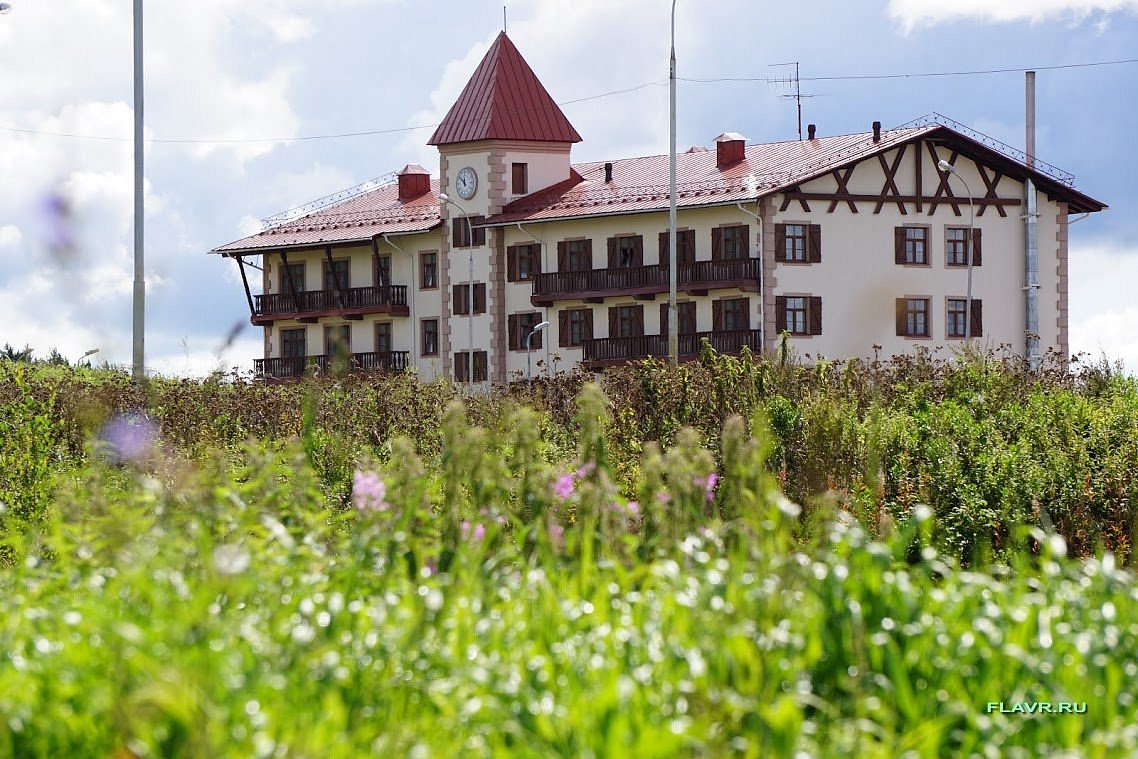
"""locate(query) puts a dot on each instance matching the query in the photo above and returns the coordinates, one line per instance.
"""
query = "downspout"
(545, 309)
(411, 303)
(762, 294)
(1031, 242)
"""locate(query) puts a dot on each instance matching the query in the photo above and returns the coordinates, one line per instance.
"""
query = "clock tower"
(502, 139)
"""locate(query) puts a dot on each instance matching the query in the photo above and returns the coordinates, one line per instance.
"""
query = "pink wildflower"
(368, 492)
(564, 487)
(557, 535)
(633, 509)
(475, 534)
(710, 485)
(586, 470)
(663, 498)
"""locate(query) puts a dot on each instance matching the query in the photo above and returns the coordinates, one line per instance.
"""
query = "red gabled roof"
(358, 219)
(640, 185)
(504, 101)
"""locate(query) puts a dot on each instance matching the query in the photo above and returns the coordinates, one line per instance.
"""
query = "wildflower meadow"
(736, 557)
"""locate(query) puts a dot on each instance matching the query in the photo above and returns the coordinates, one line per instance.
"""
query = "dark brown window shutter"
(479, 234)
(665, 250)
(664, 318)
(814, 316)
(977, 325)
(458, 303)
(563, 256)
(716, 244)
(588, 329)
(745, 237)
(902, 318)
(638, 320)
(512, 263)
(457, 226)
(614, 260)
(563, 329)
(614, 320)
(898, 246)
(534, 260)
(480, 298)
(588, 254)
(780, 242)
(976, 259)
(814, 244)
(717, 316)
(780, 313)
(512, 330)
(638, 250)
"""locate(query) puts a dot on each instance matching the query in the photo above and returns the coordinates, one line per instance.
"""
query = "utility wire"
(695, 80)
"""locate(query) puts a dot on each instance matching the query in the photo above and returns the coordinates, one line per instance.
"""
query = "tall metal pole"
(673, 315)
(1031, 235)
(139, 352)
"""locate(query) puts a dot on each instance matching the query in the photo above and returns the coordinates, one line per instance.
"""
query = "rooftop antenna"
(797, 90)
(503, 18)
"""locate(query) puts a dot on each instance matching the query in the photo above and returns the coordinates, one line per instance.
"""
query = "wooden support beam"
(990, 188)
(943, 188)
(245, 281)
(843, 188)
(335, 276)
(917, 175)
(291, 284)
(891, 181)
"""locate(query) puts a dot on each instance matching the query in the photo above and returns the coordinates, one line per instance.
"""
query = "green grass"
(205, 601)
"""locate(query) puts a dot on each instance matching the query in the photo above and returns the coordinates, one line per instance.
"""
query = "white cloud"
(1104, 319)
(10, 236)
(917, 12)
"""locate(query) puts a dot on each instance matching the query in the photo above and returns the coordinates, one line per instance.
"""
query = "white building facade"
(848, 245)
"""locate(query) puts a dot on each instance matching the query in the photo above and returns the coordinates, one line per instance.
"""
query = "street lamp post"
(139, 353)
(536, 328)
(470, 291)
(673, 316)
(5, 8)
(945, 166)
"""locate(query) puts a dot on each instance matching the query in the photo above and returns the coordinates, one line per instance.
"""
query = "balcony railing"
(696, 275)
(280, 367)
(355, 300)
(614, 350)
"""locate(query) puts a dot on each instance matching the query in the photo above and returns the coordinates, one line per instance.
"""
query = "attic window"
(520, 183)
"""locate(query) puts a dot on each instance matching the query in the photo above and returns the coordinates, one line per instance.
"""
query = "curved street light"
(948, 168)
(536, 328)
(470, 292)
(5, 8)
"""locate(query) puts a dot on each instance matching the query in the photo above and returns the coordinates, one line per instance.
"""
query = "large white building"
(842, 242)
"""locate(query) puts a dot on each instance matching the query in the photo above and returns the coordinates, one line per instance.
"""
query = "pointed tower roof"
(504, 101)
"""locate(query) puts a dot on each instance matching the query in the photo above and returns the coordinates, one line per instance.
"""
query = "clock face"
(466, 183)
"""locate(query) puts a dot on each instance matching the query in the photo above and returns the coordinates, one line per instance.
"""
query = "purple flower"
(564, 487)
(586, 470)
(633, 509)
(368, 492)
(476, 534)
(557, 535)
(663, 498)
(131, 437)
(709, 485)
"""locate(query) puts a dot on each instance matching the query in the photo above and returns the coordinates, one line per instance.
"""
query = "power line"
(367, 133)
(854, 77)
(693, 80)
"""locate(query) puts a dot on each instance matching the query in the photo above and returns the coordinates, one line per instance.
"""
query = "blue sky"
(273, 71)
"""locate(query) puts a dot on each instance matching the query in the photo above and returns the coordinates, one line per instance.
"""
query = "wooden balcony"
(650, 280)
(350, 303)
(609, 351)
(281, 368)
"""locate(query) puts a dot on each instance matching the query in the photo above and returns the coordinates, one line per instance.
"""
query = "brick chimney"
(729, 149)
(413, 181)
